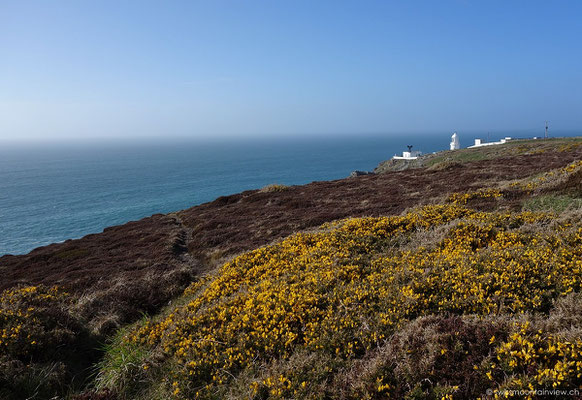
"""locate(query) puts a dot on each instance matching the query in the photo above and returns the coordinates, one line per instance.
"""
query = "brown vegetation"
(138, 267)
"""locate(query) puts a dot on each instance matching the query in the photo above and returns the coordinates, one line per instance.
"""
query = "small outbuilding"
(480, 143)
(408, 155)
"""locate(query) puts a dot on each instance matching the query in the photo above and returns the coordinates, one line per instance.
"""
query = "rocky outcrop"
(360, 173)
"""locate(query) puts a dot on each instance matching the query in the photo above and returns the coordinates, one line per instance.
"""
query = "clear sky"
(102, 69)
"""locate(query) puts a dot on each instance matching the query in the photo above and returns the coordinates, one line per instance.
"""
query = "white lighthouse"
(455, 142)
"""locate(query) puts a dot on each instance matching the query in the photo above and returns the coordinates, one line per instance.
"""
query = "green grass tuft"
(552, 202)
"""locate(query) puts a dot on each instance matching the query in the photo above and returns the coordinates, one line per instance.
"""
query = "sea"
(50, 192)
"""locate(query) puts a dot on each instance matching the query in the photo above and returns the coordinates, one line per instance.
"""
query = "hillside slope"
(514, 147)
(109, 280)
(139, 266)
(447, 301)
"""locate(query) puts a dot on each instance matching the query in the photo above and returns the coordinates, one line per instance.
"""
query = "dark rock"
(360, 173)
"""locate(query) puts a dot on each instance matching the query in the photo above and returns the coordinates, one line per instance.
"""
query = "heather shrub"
(429, 358)
(126, 300)
(42, 345)
(96, 395)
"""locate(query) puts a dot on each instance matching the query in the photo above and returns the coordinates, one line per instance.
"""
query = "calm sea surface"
(50, 193)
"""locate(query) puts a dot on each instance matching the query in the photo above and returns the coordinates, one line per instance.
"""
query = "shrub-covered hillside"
(453, 281)
(442, 302)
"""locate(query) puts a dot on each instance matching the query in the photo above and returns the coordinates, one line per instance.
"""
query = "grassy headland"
(444, 159)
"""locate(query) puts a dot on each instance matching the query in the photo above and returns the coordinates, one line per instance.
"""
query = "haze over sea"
(53, 192)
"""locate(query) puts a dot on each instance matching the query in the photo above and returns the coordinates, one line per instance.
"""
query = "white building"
(408, 155)
(455, 145)
(479, 143)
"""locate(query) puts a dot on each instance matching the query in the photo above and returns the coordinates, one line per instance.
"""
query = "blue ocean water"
(50, 193)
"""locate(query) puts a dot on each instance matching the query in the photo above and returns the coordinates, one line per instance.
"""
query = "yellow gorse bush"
(551, 177)
(556, 362)
(344, 290)
(20, 327)
(463, 198)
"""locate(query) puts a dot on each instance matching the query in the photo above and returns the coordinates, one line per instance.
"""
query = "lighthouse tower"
(455, 142)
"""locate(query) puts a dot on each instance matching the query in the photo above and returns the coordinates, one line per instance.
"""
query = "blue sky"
(127, 69)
